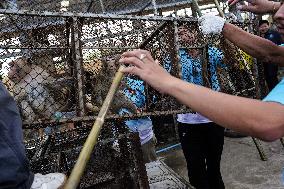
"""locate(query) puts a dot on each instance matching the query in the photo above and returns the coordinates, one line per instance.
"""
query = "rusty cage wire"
(59, 66)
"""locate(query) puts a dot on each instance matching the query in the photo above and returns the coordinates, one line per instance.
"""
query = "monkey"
(99, 85)
(32, 92)
(29, 90)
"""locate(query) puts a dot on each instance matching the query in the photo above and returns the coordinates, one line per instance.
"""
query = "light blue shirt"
(277, 94)
(136, 93)
(192, 72)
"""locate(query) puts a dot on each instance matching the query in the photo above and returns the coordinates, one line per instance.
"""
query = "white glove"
(210, 24)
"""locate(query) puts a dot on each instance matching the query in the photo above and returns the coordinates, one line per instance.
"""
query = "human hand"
(257, 6)
(210, 24)
(233, 2)
(143, 65)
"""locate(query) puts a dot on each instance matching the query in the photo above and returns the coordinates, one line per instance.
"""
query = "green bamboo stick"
(91, 141)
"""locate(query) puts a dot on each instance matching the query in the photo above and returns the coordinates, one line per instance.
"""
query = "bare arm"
(254, 45)
(257, 6)
(264, 120)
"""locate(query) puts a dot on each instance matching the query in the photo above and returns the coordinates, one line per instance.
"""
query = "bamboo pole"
(91, 141)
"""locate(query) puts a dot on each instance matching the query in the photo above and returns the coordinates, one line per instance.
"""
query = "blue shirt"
(192, 67)
(277, 94)
(273, 36)
(136, 93)
(192, 72)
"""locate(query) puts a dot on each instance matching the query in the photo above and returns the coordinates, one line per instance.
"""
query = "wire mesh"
(59, 67)
(115, 163)
(99, 6)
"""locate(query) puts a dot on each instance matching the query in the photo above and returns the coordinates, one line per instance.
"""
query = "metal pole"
(259, 149)
(282, 141)
(102, 6)
(196, 7)
(193, 10)
(155, 7)
(219, 8)
(78, 63)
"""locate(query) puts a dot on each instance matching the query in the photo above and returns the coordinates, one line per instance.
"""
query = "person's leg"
(191, 138)
(215, 142)
(271, 78)
(158, 126)
(149, 150)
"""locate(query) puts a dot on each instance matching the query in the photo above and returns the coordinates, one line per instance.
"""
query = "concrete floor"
(241, 165)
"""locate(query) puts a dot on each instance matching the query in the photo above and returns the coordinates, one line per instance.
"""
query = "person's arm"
(258, 6)
(254, 45)
(264, 120)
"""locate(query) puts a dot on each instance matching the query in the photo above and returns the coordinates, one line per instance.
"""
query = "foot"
(48, 181)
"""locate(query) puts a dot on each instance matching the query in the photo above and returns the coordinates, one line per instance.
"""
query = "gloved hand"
(210, 24)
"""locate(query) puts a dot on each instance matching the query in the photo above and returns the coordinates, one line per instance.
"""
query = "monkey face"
(18, 69)
(13, 73)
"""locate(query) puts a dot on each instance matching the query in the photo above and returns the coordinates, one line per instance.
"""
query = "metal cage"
(59, 66)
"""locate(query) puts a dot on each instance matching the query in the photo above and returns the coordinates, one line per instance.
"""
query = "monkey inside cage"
(59, 68)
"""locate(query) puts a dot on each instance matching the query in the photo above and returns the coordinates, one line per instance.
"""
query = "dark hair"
(190, 27)
(263, 22)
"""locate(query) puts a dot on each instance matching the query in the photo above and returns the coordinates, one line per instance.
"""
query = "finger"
(135, 52)
(131, 70)
(248, 8)
(250, 1)
(157, 62)
(148, 54)
(138, 53)
(232, 2)
(132, 60)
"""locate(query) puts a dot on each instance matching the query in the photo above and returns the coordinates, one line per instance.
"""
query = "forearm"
(258, 6)
(254, 45)
(253, 117)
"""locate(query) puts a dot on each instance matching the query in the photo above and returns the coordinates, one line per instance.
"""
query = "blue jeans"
(14, 165)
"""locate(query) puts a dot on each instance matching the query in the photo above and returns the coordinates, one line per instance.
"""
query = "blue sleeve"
(275, 37)
(138, 95)
(167, 64)
(215, 57)
(277, 94)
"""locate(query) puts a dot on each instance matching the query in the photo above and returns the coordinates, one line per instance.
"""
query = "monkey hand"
(210, 24)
